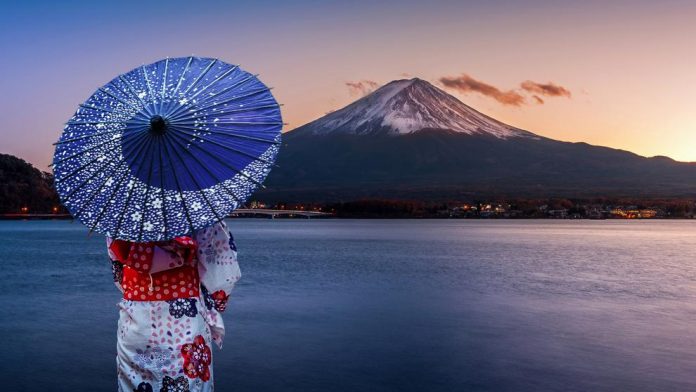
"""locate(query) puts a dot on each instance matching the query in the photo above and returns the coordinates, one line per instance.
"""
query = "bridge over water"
(273, 213)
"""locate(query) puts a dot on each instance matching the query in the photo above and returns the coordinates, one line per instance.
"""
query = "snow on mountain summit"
(407, 106)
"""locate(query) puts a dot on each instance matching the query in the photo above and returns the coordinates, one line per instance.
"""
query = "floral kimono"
(173, 296)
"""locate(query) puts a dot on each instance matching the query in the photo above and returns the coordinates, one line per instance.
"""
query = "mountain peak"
(405, 106)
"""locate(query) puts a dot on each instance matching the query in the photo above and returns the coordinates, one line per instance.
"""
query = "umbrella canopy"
(167, 148)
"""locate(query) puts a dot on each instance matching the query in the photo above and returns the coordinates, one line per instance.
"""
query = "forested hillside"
(24, 186)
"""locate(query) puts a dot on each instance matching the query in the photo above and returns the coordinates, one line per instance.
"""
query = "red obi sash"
(158, 271)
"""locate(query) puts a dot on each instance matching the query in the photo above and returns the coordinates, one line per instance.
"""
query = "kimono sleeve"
(217, 264)
(116, 266)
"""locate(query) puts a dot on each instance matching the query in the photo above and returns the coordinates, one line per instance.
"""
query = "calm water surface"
(371, 305)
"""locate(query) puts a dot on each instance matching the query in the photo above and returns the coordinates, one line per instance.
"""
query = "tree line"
(24, 188)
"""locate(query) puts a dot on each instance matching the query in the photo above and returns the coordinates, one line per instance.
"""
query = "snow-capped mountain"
(410, 140)
(407, 106)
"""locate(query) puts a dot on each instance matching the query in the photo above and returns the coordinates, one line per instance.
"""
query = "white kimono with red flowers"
(165, 346)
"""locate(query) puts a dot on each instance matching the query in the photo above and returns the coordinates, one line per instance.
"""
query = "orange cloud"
(361, 87)
(465, 84)
(548, 89)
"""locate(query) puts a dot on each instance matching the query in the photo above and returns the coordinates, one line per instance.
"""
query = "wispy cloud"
(548, 89)
(361, 87)
(528, 92)
(465, 84)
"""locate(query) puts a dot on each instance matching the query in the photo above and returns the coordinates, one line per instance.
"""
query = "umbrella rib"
(130, 191)
(150, 90)
(198, 185)
(181, 193)
(63, 178)
(147, 82)
(226, 89)
(164, 209)
(79, 169)
(79, 122)
(85, 182)
(86, 136)
(82, 105)
(86, 150)
(238, 122)
(121, 179)
(230, 134)
(236, 98)
(240, 172)
(228, 147)
(181, 77)
(93, 195)
(118, 98)
(132, 91)
(214, 175)
(217, 79)
(164, 83)
(111, 196)
(205, 71)
(82, 184)
(169, 112)
(177, 112)
(147, 193)
(178, 84)
(96, 192)
(82, 152)
(248, 109)
(201, 75)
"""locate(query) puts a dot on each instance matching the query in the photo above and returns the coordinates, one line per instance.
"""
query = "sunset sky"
(614, 73)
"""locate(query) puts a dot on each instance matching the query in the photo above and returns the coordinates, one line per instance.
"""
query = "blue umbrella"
(167, 148)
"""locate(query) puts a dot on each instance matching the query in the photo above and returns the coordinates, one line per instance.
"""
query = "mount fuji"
(410, 140)
(407, 106)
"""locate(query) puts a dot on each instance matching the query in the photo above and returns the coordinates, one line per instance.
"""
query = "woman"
(173, 294)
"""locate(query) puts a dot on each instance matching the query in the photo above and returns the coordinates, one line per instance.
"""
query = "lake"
(384, 305)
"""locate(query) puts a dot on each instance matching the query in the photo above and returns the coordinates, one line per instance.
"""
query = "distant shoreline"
(27, 217)
(35, 217)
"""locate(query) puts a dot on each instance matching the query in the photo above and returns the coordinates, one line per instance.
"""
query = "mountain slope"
(406, 106)
(410, 140)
